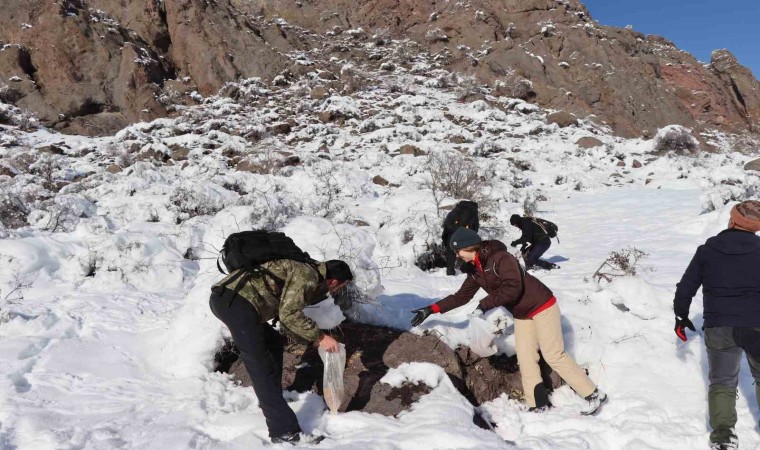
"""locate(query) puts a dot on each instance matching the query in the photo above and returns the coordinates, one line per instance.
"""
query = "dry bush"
(511, 85)
(620, 264)
(353, 79)
(169, 97)
(434, 256)
(452, 175)
(530, 205)
(676, 139)
(467, 87)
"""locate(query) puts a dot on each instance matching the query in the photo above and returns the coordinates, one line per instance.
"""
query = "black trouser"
(725, 346)
(536, 250)
(451, 259)
(261, 349)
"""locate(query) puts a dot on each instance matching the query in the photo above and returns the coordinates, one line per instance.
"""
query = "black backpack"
(250, 249)
(550, 228)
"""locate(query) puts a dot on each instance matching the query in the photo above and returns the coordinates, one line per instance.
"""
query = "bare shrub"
(620, 264)
(530, 204)
(272, 207)
(511, 85)
(467, 87)
(18, 285)
(452, 175)
(676, 138)
(169, 97)
(353, 79)
(434, 256)
(264, 161)
(194, 202)
(328, 191)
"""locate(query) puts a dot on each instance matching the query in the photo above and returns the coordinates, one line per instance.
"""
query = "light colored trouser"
(544, 332)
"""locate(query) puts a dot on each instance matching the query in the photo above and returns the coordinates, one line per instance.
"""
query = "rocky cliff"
(92, 67)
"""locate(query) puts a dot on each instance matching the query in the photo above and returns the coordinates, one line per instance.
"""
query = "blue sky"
(697, 26)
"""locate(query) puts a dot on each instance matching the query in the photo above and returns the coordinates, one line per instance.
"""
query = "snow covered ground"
(106, 339)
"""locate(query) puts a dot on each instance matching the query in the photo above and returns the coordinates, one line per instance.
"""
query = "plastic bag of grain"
(335, 364)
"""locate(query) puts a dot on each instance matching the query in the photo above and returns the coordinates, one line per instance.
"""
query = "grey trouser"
(725, 346)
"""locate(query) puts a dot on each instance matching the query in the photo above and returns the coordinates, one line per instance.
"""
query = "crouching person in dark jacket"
(727, 267)
(537, 318)
(534, 240)
(282, 288)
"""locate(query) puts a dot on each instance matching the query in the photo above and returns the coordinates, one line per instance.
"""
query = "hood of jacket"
(734, 242)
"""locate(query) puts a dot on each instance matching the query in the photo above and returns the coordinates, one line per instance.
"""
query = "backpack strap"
(533, 219)
(229, 294)
(219, 266)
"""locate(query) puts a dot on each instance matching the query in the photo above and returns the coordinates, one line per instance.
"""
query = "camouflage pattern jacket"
(298, 287)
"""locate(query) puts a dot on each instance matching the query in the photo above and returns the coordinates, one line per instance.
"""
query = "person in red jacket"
(534, 307)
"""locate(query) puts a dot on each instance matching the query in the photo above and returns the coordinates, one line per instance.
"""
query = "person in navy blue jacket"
(727, 267)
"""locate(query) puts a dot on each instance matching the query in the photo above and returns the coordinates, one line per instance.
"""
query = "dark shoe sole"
(598, 408)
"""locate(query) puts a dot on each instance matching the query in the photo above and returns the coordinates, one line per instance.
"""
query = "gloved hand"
(681, 324)
(420, 315)
(468, 268)
(477, 312)
(513, 244)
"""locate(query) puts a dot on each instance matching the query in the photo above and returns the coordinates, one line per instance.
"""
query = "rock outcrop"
(371, 351)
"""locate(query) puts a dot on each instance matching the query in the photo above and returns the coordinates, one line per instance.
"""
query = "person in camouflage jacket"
(280, 289)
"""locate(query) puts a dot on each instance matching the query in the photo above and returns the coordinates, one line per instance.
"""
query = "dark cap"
(463, 238)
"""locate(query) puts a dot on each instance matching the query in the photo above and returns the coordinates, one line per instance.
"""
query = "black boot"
(541, 394)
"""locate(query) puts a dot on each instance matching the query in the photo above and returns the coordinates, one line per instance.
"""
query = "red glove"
(681, 324)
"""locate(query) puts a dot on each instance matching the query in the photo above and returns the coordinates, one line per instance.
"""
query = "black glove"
(513, 244)
(420, 315)
(468, 268)
(681, 324)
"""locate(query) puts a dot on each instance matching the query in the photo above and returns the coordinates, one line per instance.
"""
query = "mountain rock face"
(633, 82)
(93, 66)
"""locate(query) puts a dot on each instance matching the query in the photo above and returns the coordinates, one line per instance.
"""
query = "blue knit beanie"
(463, 238)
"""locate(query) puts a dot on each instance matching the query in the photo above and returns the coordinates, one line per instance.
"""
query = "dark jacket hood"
(734, 242)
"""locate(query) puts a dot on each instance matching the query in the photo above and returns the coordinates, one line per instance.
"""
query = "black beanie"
(515, 219)
(463, 238)
(338, 270)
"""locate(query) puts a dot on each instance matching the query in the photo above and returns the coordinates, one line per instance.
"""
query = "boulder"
(113, 168)
(753, 165)
(562, 118)
(279, 128)
(588, 142)
(636, 164)
(377, 179)
(319, 92)
(413, 150)
(178, 152)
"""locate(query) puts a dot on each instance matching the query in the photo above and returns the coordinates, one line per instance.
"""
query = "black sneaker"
(731, 445)
(290, 438)
(295, 438)
(595, 401)
(539, 409)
